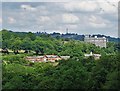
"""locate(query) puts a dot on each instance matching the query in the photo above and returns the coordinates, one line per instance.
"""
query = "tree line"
(45, 44)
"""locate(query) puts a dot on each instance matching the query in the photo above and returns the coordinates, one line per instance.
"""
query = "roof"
(39, 56)
(51, 56)
(96, 55)
(87, 55)
(35, 57)
(48, 56)
(65, 57)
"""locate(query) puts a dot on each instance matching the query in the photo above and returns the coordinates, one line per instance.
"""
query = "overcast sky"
(82, 17)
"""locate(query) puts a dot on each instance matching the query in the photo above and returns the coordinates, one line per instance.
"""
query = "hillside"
(79, 37)
(45, 43)
(77, 72)
(69, 36)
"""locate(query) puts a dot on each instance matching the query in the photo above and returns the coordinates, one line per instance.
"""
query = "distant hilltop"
(71, 36)
(79, 37)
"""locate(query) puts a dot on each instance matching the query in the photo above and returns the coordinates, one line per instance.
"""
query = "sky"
(78, 16)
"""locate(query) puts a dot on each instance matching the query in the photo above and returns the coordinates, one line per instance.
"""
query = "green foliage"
(74, 73)
(16, 76)
(68, 74)
(104, 69)
(48, 45)
(113, 80)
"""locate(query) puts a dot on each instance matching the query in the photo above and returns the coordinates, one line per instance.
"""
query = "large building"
(98, 41)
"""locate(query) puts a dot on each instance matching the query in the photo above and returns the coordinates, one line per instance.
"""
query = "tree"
(112, 81)
(16, 45)
(31, 36)
(26, 44)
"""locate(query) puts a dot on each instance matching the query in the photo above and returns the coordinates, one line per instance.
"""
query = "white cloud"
(28, 7)
(42, 10)
(11, 20)
(84, 17)
(98, 25)
(43, 19)
(70, 18)
(108, 7)
(92, 6)
(71, 26)
(81, 6)
(98, 22)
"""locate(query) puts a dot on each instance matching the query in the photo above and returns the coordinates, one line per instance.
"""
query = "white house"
(96, 56)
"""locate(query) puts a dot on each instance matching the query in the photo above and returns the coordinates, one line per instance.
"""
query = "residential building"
(46, 58)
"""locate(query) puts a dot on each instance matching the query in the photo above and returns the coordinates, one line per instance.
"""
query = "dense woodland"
(74, 73)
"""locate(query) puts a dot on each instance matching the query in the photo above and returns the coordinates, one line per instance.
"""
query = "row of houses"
(54, 58)
(46, 58)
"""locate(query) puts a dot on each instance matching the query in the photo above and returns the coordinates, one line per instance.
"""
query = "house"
(36, 58)
(65, 57)
(52, 58)
(96, 56)
(98, 41)
(46, 58)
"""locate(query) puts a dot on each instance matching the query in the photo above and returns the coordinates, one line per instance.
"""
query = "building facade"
(98, 41)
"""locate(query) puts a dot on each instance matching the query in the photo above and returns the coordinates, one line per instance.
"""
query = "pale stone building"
(98, 41)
